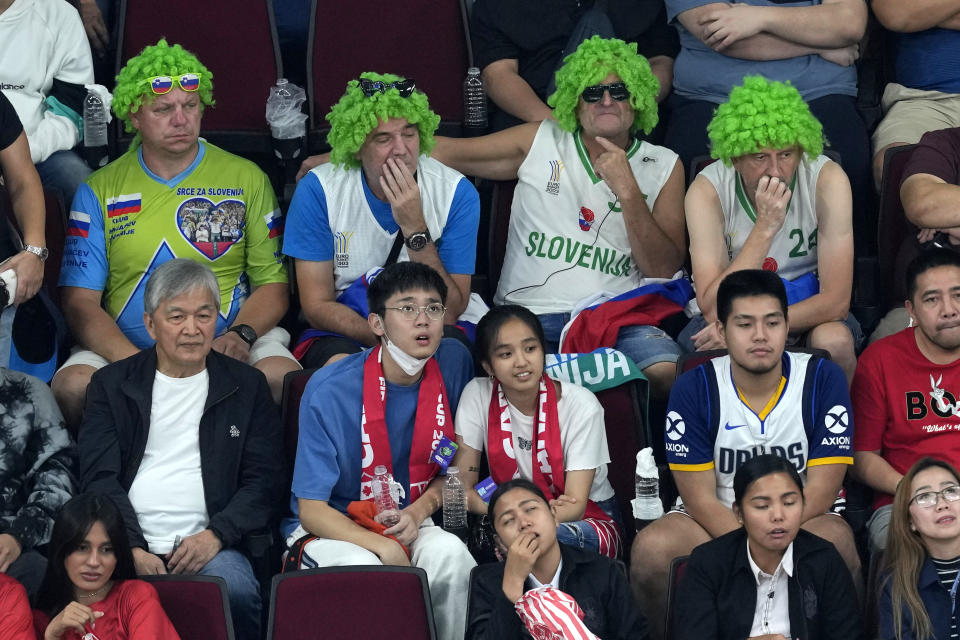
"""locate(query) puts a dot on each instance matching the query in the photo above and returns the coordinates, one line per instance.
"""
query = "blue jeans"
(643, 344)
(242, 590)
(581, 535)
(64, 171)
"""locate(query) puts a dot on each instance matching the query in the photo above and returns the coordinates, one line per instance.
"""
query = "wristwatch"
(417, 241)
(40, 252)
(246, 333)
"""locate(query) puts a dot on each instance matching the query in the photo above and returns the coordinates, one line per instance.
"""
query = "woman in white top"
(535, 428)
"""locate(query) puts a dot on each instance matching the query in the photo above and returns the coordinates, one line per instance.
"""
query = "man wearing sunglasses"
(774, 202)
(147, 206)
(906, 392)
(595, 209)
(381, 199)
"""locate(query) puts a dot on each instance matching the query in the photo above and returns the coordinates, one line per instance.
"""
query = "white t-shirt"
(582, 434)
(167, 492)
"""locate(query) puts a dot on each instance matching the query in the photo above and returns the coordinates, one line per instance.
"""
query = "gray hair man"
(186, 441)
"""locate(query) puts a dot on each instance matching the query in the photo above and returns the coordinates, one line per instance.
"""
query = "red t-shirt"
(16, 623)
(904, 405)
(132, 611)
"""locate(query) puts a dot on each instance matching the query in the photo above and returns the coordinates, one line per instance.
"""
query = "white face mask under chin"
(410, 365)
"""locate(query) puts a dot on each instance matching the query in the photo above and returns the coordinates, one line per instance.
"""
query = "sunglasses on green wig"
(370, 87)
(594, 93)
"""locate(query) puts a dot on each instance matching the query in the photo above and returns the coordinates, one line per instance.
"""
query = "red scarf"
(432, 421)
(547, 448)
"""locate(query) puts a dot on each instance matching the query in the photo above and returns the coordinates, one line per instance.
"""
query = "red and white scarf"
(551, 614)
(432, 421)
(547, 453)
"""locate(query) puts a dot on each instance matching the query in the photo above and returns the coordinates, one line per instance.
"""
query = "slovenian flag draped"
(597, 325)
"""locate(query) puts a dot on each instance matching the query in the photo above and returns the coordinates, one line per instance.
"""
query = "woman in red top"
(90, 591)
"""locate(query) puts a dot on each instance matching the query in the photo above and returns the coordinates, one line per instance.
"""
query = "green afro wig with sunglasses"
(763, 114)
(161, 59)
(355, 115)
(594, 60)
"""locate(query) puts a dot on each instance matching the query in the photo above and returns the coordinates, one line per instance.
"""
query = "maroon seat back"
(294, 384)
(500, 205)
(196, 605)
(626, 435)
(56, 233)
(677, 567)
(419, 39)
(896, 236)
(236, 41)
(345, 603)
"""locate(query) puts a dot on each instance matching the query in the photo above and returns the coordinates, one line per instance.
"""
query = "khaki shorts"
(910, 113)
(272, 343)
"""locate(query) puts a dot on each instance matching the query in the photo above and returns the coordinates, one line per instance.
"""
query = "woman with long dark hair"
(922, 559)
(536, 428)
(90, 589)
(768, 579)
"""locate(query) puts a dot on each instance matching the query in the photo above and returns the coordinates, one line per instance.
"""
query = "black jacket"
(596, 582)
(240, 442)
(717, 594)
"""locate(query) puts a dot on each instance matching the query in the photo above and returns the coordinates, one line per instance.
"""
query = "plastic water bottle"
(454, 501)
(383, 496)
(284, 115)
(94, 121)
(474, 101)
(94, 131)
(647, 504)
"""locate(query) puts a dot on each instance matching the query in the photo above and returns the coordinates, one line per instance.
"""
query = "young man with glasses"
(387, 406)
(906, 392)
(380, 200)
(595, 209)
(136, 213)
(774, 202)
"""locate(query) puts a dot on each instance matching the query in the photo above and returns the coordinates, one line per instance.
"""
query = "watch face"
(248, 334)
(417, 241)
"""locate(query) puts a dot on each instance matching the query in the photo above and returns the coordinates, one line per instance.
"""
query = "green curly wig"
(355, 116)
(133, 90)
(593, 61)
(763, 114)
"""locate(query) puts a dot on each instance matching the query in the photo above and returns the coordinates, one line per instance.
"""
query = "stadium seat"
(196, 605)
(677, 566)
(294, 384)
(343, 603)
(693, 360)
(500, 205)
(627, 432)
(420, 39)
(896, 236)
(237, 41)
(56, 232)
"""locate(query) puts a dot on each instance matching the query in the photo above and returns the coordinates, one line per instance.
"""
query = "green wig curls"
(593, 61)
(133, 82)
(763, 114)
(355, 116)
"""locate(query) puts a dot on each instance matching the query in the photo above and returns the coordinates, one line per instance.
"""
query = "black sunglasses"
(404, 87)
(618, 91)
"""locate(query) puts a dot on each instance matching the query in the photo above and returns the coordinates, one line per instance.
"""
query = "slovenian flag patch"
(274, 223)
(123, 205)
(79, 224)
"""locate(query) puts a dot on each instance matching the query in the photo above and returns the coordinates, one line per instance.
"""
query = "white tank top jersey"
(558, 206)
(793, 251)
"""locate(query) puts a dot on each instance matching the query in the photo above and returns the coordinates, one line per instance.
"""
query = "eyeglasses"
(404, 87)
(929, 499)
(618, 91)
(434, 310)
(161, 85)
